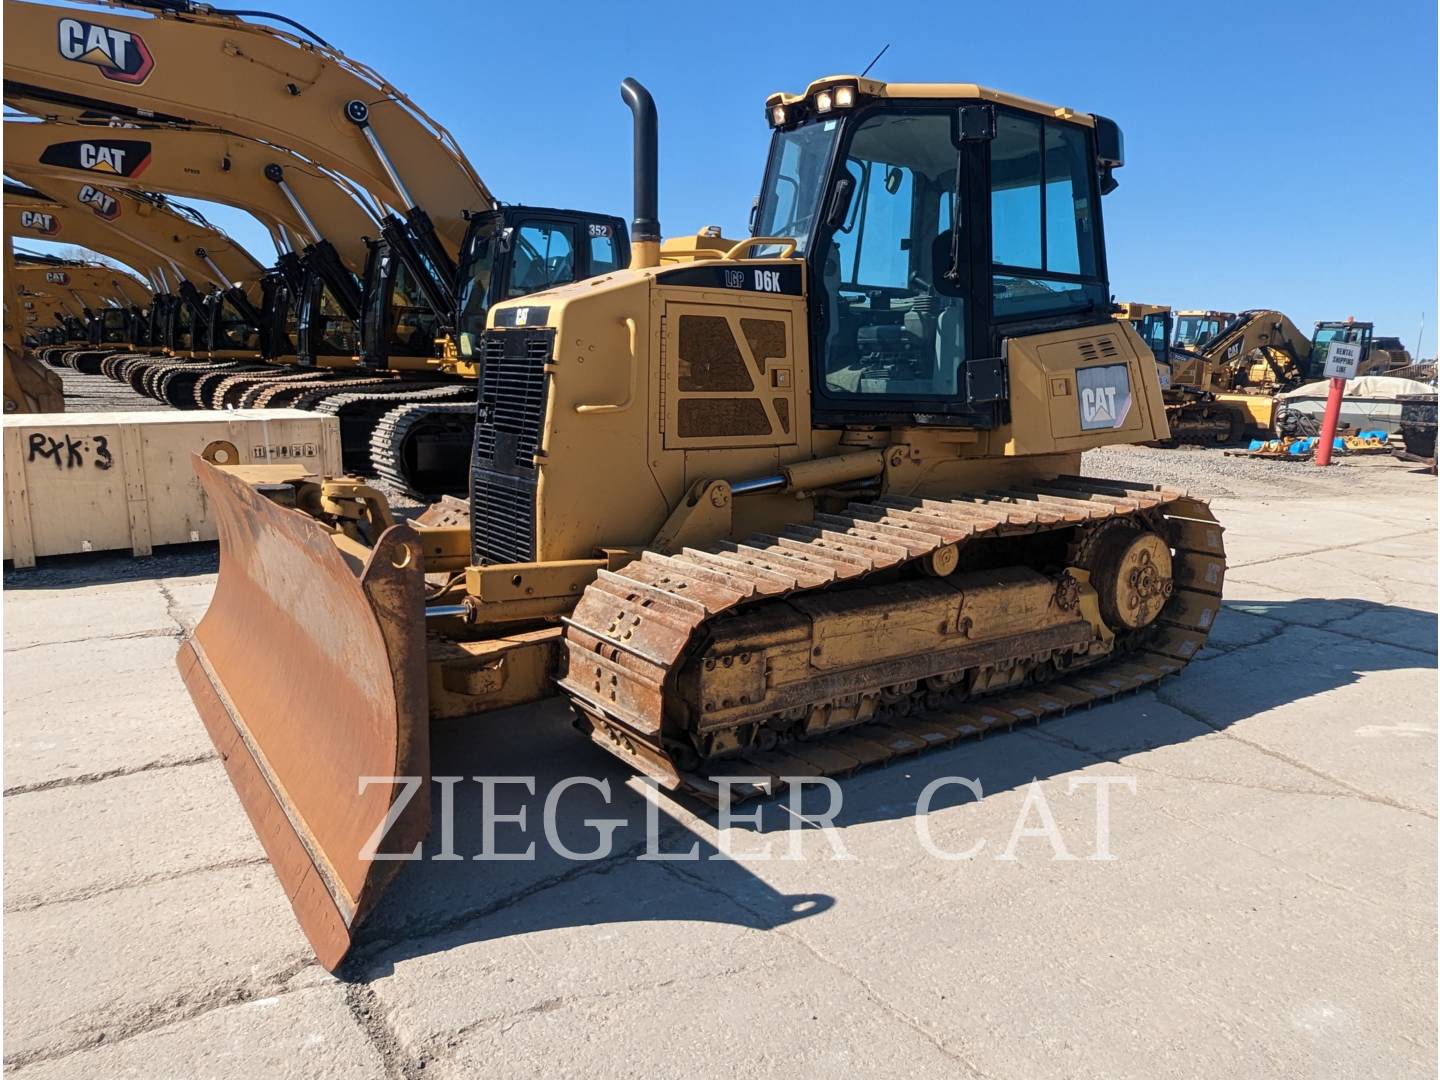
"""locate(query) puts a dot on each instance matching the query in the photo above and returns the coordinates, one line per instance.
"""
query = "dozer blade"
(310, 677)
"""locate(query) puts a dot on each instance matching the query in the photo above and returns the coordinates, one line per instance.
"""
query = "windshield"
(232, 330)
(1152, 329)
(1195, 330)
(477, 262)
(1325, 336)
(794, 181)
(115, 325)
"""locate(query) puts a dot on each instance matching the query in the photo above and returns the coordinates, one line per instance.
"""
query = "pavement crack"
(354, 967)
(78, 895)
(89, 1032)
(1331, 547)
(370, 1017)
(108, 774)
(1357, 792)
(172, 609)
(873, 994)
(134, 635)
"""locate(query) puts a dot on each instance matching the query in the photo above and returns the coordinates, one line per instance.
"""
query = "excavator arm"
(1258, 348)
(202, 252)
(30, 215)
(184, 63)
(280, 189)
(90, 286)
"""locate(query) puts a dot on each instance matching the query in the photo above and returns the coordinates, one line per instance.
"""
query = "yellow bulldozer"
(783, 506)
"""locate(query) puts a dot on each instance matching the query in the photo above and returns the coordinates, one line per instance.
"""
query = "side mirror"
(754, 213)
(505, 239)
(839, 208)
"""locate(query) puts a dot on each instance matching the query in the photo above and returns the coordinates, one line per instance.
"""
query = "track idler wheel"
(1133, 575)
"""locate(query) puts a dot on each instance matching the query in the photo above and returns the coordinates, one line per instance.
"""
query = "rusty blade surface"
(310, 677)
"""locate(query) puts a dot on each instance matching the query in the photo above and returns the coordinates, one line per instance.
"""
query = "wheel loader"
(775, 507)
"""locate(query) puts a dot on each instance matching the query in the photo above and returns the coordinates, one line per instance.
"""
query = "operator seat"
(944, 324)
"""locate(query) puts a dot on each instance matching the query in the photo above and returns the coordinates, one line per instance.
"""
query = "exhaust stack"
(645, 229)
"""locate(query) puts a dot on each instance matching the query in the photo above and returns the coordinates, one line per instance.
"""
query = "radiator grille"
(510, 415)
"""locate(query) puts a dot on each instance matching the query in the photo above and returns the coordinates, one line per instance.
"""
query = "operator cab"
(229, 329)
(518, 250)
(1154, 330)
(1327, 333)
(933, 228)
(1195, 329)
(111, 327)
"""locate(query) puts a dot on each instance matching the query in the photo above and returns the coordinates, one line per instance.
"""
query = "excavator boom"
(196, 66)
(202, 164)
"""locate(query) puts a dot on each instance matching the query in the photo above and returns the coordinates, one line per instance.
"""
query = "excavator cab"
(112, 327)
(1327, 333)
(1193, 329)
(514, 251)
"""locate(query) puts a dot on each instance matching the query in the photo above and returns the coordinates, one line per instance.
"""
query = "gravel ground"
(96, 393)
(1211, 473)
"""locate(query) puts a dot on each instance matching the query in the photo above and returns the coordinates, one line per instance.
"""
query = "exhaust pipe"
(645, 229)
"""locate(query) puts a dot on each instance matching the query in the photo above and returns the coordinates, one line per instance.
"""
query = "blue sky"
(1279, 154)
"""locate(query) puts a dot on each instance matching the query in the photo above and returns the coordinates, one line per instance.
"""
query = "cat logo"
(118, 157)
(1104, 396)
(1234, 350)
(57, 277)
(522, 316)
(103, 203)
(767, 280)
(44, 224)
(120, 55)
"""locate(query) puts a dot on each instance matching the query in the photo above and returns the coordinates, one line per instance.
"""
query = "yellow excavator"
(31, 215)
(774, 507)
(1227, 385)
(1197, 326)
(149, 233)
(439, 230)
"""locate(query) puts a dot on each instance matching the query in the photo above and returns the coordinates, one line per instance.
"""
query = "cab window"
(603, 258)
(1042, 218)
(895, 325)
(543, 255)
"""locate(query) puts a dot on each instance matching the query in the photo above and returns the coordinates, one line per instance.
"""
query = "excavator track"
(360, 410)
(1201, 423)
(231, 391)
(643, 641)
(445, 417)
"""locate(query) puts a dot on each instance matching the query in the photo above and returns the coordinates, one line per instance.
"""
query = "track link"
(623, 683)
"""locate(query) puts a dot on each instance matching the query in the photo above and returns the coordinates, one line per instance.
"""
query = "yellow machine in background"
(781, 506)
(1194, 328)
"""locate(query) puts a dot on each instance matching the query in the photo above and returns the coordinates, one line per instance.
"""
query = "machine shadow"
(1265, 659)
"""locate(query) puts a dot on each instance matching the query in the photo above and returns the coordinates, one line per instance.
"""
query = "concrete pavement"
(1269, 910)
